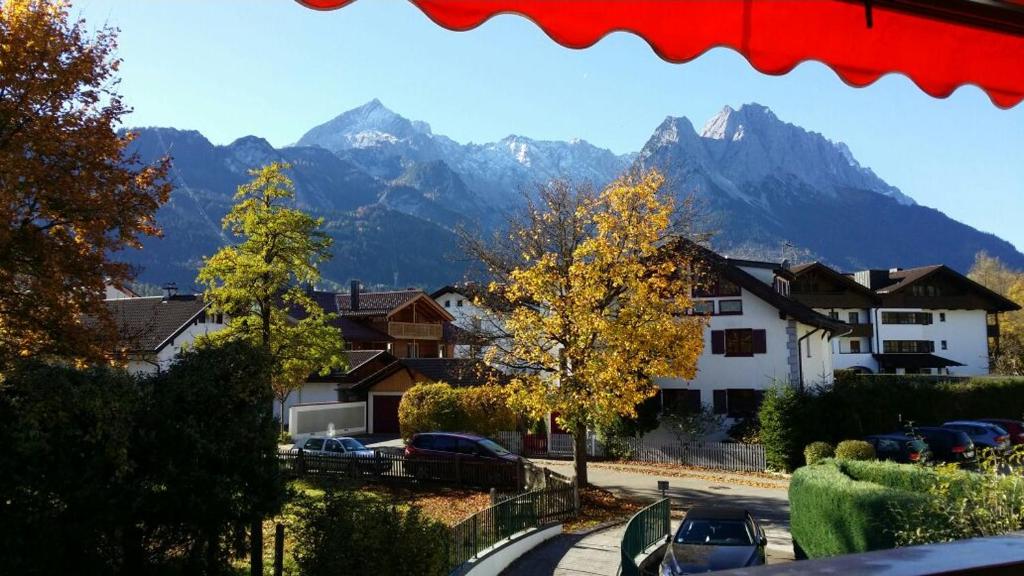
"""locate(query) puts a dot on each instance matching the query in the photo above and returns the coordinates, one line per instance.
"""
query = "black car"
(948, 445)
(714, 538)
(899, 447)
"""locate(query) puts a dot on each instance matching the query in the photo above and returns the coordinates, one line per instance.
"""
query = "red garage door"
(385, 414)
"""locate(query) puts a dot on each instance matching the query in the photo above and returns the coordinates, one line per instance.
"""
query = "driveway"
(770, 506)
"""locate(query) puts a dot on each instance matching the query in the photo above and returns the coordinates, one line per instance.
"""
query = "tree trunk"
(579, 455)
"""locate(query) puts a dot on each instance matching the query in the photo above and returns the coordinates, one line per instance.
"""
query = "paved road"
(597, 554)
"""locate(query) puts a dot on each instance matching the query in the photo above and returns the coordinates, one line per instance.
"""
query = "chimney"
(353, 295)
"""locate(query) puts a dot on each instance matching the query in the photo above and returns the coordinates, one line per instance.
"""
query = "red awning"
(939, 44)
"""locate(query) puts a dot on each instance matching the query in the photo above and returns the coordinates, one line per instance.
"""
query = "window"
(703, 307)
(908, 347)
(853, 317)
(730, 307)
(942, 316)
(833, 315)
(459, 303)
(410, 350)
(943, 344)
(737, 402)
(315, 444)
(716, 287)
(854, 346)
(925, 290)
(447, 303)
(219, 319)
(334, 446)
(739, 342)
(906, 317)
(680, 400)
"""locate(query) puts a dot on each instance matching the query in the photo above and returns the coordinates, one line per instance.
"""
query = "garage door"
(385, 414)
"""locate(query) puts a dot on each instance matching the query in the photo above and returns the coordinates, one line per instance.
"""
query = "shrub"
(345, 533)
(818, 451)
(855, 450)
(437, 406)
(832, 513)
(746, 430)
(780, 414)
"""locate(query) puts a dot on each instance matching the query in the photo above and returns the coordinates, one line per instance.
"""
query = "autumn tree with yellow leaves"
(594, 296)
(1006, 352)
(71, 196)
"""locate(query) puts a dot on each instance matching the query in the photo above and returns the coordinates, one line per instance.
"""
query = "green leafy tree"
(259, 282)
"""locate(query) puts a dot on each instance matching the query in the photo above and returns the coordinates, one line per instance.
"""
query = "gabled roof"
(910, 276)
(376, 303)
(843, 279)
(750, 283)
(148, 324)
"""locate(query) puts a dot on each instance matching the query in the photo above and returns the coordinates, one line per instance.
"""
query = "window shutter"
(760, 342)
(721, 405)
(718, 341)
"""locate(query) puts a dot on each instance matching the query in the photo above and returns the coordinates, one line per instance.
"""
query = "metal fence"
(718, 455)
(385, 467)
(646, 528)
(513, 515)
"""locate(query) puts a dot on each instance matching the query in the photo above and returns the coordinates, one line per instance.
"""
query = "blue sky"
(274, 69)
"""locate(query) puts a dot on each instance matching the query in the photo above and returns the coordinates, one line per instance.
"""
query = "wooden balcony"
(414, 331)
(862, 331)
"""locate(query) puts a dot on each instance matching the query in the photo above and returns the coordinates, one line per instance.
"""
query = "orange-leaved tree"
(70, 194)
(595, 297)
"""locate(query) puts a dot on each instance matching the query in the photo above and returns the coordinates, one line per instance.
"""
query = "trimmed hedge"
(817, 451)
(855, 450)
(439, 407)
(832, 513)
(858, 405)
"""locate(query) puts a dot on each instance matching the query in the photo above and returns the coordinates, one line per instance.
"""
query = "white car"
(341, 447)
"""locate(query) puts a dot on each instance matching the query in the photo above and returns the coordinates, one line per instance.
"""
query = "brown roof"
(148, 324)
(910, 276)
(375, 303)
(839, 277)
(454, 371)
(747, 281)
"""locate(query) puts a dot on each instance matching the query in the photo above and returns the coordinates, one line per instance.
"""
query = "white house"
(927, 320)
(154, 329)
(472, 326)
(756, 336)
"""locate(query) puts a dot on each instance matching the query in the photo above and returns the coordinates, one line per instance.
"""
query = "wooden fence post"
(575, 495)
(279, 549)
(300, 463)
(494, 496)
(256, 553)
(458, 471)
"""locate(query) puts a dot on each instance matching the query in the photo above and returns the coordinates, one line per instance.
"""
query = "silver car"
(342, 447)
(984, 434)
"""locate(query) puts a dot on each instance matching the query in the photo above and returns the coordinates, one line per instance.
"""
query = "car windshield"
(351, 444)
(494, 447)
(715, 533)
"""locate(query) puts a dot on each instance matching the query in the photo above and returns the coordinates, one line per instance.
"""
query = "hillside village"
(383, 350)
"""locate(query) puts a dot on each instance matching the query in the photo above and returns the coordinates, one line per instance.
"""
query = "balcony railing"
(862, 331)
(414, 331)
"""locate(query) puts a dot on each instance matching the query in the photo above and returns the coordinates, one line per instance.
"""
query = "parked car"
(457, 445)
(461, 458)
(1015, 428)
(948, 445)
(898, 447)
(714, 538)
(983, 434)
(342, 447)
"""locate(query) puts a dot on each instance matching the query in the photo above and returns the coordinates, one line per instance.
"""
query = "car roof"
(328, 437)
(892, 436)
(465, 435)
(969, 423)
(716, 513)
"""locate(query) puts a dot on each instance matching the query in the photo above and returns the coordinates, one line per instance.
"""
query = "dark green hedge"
(856, 406)
(833, 513)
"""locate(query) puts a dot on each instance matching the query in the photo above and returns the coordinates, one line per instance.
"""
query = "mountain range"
(392, 192)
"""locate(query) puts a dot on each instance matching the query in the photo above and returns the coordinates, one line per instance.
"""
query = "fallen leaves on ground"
(754, 479)
(599, 506)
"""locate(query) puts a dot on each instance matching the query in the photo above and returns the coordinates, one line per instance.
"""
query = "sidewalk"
(594, 554)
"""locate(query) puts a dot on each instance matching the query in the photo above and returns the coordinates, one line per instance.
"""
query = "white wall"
(153, 363)
(469, 317)
(816, 356)
(310, 393)
(965, 333)
(717, 371)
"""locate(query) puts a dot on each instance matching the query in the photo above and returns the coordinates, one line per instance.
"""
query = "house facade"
(927, 320)
(756, 336)
(152, 330)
